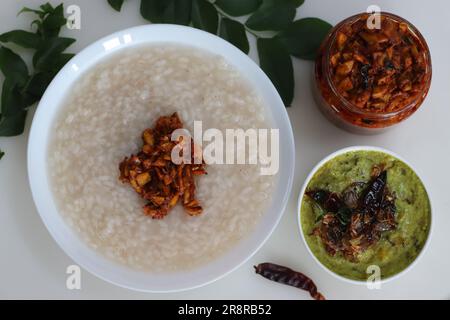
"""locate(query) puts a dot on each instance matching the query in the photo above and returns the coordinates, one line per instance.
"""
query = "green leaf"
(167, 11)
(116, 4)
(272, 15)
(298, 3)
(19, 91)
(46, 57)
(1, 154)
(178, 12)
(53, 22)
(234, 32)
(22, 38)
(46, 8)
(205, 16)
(12, 102)
(38, 12)
(13, 66)
(277, 64)
(50, 19)
(36, 86)
(13, 125)
(61, 60)
(303, 37)
(238, 8)
(153, 10)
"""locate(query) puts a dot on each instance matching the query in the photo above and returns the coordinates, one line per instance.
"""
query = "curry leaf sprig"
(22, 88)
(300, 38)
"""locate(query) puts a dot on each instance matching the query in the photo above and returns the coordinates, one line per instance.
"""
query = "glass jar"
(370, 79)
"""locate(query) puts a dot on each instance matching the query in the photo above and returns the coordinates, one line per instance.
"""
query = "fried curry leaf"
(116, 4)
(344, 215)
(277, 64)
(238, 8)
(234, 32)
(303, 37)
(204, 16)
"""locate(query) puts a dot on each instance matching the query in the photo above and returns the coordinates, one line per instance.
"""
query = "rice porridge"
(102, 122)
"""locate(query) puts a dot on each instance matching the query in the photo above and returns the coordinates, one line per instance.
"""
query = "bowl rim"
(302, 194)
(44, 199)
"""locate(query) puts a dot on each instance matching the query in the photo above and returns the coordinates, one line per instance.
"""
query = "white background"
(33, 266)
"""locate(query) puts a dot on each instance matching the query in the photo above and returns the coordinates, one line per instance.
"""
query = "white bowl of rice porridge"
(93, 115)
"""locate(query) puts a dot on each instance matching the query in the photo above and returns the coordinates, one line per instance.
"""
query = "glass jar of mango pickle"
(370, 77)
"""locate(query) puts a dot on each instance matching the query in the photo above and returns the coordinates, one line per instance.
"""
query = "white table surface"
(33, 266)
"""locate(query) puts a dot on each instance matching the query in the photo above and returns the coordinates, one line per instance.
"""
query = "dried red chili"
(288, 277)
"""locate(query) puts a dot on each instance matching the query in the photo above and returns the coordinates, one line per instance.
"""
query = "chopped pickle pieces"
(386, 61)
(154, 176)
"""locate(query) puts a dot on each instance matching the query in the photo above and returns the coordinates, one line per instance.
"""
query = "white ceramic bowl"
(302, 194)
(53, 100)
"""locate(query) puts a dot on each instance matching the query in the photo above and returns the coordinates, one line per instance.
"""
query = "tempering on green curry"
(365, 208)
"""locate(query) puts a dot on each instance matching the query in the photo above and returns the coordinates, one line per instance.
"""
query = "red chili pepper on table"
(288, 277)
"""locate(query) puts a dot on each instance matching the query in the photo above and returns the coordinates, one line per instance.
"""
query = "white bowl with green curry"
(362, 207)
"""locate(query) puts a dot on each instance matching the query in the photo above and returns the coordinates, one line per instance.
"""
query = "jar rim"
(345, 102)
